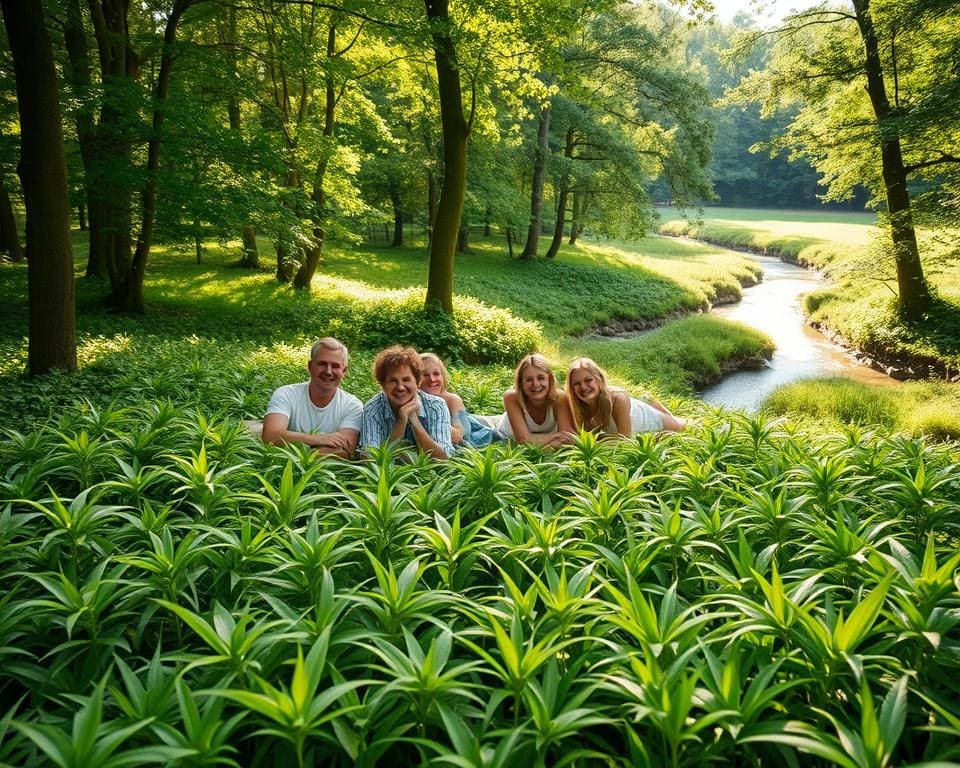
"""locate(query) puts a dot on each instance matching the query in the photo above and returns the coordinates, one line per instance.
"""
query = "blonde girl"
(467, 429)
(536, 409)
(597, 407)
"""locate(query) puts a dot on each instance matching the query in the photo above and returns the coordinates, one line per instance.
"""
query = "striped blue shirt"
(379, 421)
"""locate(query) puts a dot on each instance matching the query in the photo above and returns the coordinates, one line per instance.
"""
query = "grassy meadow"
(756, 591)
(254, 330)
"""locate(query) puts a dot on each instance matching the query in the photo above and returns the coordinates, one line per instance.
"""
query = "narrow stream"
(773, 306)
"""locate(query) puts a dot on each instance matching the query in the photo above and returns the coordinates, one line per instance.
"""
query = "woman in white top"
(597, 407)
(536, 409)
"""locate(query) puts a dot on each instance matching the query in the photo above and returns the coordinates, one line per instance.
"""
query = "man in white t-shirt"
(317, 412)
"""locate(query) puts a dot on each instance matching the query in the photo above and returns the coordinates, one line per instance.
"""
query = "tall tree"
(536, 184)
(43, 173)
(870, 110)
(455, 130)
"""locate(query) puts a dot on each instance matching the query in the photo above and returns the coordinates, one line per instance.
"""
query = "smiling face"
(433, 380)
(585, 385)
(536, 384)
(327, 370)
(400, 386)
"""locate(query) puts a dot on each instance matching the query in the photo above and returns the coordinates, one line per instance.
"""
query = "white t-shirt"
(345, 411)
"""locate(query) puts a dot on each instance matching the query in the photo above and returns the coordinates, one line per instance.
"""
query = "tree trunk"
(510, 241)
(397, 221)
(486, 222)
(913, 294)
(82, 217)
(536, 190)
(228, 38)
(43, 174)
(9, 239)
(463, 238)
(284, 265)
(455, 130)
(431, 204)
(305, 274)
(109, 194)
(77, 71)
(133, 300)
(562, 193)
(251, 254)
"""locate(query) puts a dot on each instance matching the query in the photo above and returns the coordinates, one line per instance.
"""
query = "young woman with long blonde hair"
(536, 409)
(597, 407)
(468, 430)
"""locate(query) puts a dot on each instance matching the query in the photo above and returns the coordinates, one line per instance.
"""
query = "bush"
(477, 333)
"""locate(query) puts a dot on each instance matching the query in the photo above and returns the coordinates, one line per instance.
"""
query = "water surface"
(773, 306)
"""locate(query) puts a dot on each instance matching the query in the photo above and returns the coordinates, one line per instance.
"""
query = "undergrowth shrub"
(476, 333)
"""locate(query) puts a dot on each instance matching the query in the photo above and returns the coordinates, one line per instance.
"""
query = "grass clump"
(837, 400)
(680, 356)
(930, 409)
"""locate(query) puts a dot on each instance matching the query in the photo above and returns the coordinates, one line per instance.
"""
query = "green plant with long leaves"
(302, 710)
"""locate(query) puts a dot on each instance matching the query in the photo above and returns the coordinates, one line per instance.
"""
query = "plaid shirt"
(379, 421)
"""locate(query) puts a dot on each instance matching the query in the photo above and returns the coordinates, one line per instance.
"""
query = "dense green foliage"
(233, 328)
(178, 594)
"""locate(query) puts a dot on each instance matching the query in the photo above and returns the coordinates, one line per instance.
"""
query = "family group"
(415, 407)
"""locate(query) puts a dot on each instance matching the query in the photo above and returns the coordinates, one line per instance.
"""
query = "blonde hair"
(429, 357)
(328, 342)
(538, 361)
(600, 419)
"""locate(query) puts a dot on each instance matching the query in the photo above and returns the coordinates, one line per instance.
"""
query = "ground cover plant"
(927, 408)
(177, 593)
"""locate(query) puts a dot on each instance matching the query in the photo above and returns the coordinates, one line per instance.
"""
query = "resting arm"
(342, 442)
(621, 413)
(519, 425)
(435, 441)
(456, 409)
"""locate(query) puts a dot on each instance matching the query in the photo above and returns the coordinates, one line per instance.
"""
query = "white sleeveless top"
(643, 418)
(549, 424)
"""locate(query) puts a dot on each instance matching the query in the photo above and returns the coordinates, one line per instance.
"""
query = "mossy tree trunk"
(314, 253)
(536, 192)
(914, 295)
(133, 300)
(397, 220)
(228, 39)
(563, 192)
